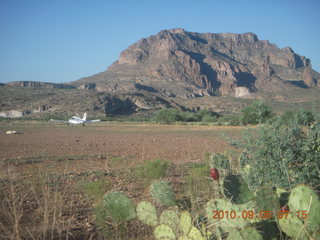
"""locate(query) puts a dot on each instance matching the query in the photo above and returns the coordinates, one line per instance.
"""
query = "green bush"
(301, 117)
(189, 117)
(230, 120)
(152, 170)
(168, 116)
(94, 190)
(257, 112)
(208, 119)
(282, 155)
(172, 115)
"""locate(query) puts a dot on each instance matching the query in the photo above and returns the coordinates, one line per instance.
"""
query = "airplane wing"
(62, 121)
(92, 121)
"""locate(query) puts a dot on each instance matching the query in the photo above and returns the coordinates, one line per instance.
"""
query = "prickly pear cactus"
(293, 227)
(162, 192)
(248, 233)
(283, 196)
(147, 213)
(303, 198)
(195, 234)
(185, 222)
(164, 232)
(235, 188)
(267, 200)
(222, 205)
(118, 206)
(185, 238)
(170, 218)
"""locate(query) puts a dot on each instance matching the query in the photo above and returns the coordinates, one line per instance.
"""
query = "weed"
(197, 185)
(150, 170)
(95, 190)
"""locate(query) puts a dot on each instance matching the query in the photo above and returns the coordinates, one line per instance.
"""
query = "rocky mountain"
(177, 63)
(218, 71)
(33, 84)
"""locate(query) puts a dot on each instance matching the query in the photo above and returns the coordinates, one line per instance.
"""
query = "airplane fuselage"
(73, 121)
(77, 120)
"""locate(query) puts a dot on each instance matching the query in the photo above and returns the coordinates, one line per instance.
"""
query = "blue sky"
(64, 40)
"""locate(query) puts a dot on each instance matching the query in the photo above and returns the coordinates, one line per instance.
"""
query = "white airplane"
(77, 120)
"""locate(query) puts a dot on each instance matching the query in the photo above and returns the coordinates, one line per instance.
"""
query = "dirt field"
(53, 176)
(138, 141)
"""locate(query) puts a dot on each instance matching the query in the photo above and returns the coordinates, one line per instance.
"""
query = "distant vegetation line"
(256, 113)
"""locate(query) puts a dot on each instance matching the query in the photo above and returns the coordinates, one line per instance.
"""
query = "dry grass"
(51, 187)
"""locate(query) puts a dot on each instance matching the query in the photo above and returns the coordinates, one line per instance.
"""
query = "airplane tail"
(84, 117)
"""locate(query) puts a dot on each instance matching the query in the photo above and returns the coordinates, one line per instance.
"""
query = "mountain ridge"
(206, 63)
(175, 68)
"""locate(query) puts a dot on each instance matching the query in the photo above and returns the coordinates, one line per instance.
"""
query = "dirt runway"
(177, 143)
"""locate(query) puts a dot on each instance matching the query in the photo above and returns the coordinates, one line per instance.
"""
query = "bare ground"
(68, 156)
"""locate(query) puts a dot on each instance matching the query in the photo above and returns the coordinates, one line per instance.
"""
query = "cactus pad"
(293, 227)
(119, 207)
(223, 205)
(147, 213)
(248, 233)
(164, 232)
(171, 219)
(184, 238)
(303, 198)
(162, 192)
(195, 234)
(251, 233)
(185, 222)
(235, 188)
(267, 200)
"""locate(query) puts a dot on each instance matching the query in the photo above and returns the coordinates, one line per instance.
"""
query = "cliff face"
(178, 63)
(176, 68)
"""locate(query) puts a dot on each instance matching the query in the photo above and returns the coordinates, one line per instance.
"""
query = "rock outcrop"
(33, 84)
(183, 64)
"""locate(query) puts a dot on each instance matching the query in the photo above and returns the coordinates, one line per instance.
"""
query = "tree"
(257, 112)
(282, 155)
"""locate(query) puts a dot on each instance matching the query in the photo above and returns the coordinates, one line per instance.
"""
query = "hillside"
(177, 63)
(218, 71)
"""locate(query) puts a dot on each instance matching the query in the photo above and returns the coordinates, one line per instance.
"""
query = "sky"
(64, 40)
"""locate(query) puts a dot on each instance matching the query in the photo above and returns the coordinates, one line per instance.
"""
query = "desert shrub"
(202, 114)
(230, 120)
(94, 190)
(301, 117)
(282, 155)
(172, 115)
(167, 116)
(151, 170)
(257, 112)
(208, 119)
(189, 117)
(220, 161)
(196, 185)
